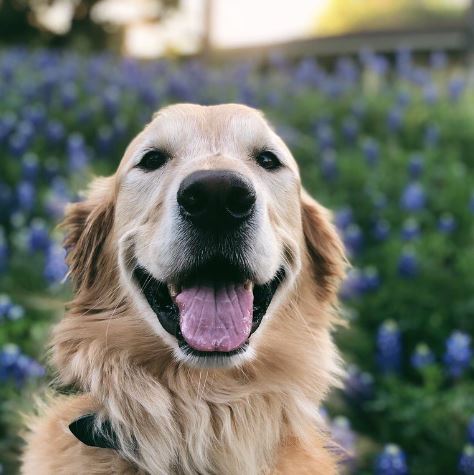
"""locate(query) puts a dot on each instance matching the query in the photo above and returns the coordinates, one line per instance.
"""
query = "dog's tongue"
(215, 318)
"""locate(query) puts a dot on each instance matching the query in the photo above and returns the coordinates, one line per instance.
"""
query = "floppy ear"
(87, 225)
(324, 246)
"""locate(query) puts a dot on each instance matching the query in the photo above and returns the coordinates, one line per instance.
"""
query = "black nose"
(216, 198)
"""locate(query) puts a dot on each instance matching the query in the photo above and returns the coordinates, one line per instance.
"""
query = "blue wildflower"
(30, 167)
(343, 217)
(26, 196)
(446, 223)
(470, 430)
(4, 254)
(344, 438)
(389, 347)
(329, 167)
(456, 87)
(350, 129)
(353, 238)
(358, 385)
(18, 367)
(55, 268)
(458, 354)
(371, 151)
(55, 132)
(413, 197)
(391, 461)
(408, 265)
(422, 356)
(353, 285)
(77, 152)
(410, 229)
(394, 119)
(381, 230)
(466, 461)
(38, 237)
(431, 136)
(415, 165)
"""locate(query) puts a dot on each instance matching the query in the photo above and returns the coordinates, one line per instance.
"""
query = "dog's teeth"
(248, 285)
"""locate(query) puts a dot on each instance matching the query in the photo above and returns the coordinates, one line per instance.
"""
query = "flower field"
(387, 144)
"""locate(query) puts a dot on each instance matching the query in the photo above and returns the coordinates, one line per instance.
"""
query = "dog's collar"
(94, 433)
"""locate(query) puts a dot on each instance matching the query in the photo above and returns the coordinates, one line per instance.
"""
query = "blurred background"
(376, 100)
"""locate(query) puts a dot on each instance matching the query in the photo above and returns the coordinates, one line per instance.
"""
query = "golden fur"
(257, 417)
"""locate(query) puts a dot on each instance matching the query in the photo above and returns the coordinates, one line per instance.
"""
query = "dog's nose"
(216, 198)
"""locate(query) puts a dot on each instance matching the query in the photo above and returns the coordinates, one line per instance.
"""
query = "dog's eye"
(153, 160)
(268, 160)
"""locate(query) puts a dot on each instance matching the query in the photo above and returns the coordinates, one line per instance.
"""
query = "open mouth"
(212, 310)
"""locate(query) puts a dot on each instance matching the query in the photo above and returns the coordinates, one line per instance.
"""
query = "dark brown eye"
(153, 159)
(268, 160)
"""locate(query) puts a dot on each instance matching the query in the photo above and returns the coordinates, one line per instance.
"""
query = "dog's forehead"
(187, 123)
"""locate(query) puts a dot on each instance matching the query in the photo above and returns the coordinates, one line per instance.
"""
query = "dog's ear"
(324, 246)
(87, 225)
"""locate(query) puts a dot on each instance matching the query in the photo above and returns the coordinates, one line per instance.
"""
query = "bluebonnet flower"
(470, 430)
(389, 347)
(325, 136)
(350, 129)
(38, 236)
(16, 366)
(403, 98)
(408, 265)
(358, 385)
(26, 196)
(415, 165)
(422, 356)
(4, 254)
(30, 167)
(77, 152)
(57, 199)
(430, 94)
(55, 268)
(431, 137)
(446, 223)
(353, 285)
(456, 87)
(371, 151)
(413, 197)
(55, 132)
(353, 238)
(410, 229)
(458, 354)
(466, 461)
(5, 306)
(394, 119)
(344, 438)
(7, 125)
(371, 279)
(381, 229)
(343, 217)
(69, 95)
(391, 461)
(329, 167)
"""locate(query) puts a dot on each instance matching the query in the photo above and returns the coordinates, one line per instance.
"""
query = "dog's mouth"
(209, 315)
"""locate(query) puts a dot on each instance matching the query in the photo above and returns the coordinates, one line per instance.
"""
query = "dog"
(199, 337)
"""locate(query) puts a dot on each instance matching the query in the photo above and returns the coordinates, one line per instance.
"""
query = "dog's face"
(210, 233)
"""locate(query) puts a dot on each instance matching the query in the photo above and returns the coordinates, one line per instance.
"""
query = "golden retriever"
(199, 337)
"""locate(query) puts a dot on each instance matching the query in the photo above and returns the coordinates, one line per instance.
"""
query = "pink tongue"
(215, 319)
